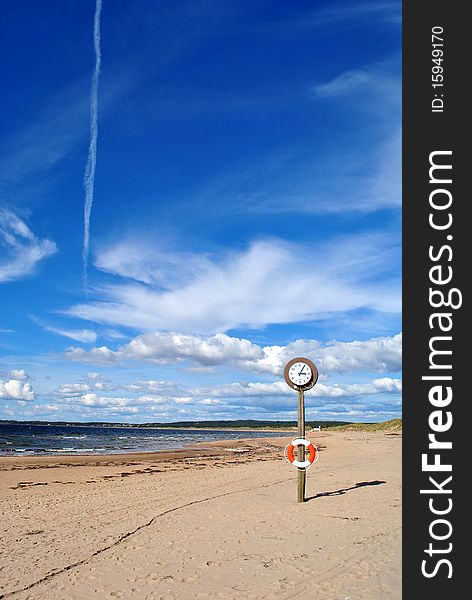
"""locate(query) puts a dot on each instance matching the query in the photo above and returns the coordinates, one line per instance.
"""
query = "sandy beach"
(219, 521)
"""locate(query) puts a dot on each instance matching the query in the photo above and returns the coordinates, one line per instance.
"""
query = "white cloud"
(357, 171)
(91, 399)
(168, 391)
(17, 387)
(21, 250)
(165, 399)
(94, 376)
(137, 393)
(210, 401)
(387, 384)
(381, 355)
(96, 356)
(77, 390)
(342, 83)
(19, 374)
(352, 14)
(79, 397)
(374, 180)
(153, 387)
(146, 261)
(79, 335)
(95, 397)
(270, 282)
(321, 390)
(371, 84)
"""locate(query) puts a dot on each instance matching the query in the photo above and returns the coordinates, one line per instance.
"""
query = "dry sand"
(221, 522)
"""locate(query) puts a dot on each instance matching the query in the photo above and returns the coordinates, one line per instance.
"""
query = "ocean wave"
(63, 450)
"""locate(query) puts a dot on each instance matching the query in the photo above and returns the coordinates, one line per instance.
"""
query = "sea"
(23, 439)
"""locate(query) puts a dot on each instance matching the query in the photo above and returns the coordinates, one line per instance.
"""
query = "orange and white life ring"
(312, 453)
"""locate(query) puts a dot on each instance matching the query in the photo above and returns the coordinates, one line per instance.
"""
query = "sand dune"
(218, 522)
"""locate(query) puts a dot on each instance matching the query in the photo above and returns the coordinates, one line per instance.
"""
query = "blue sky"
(246, 209)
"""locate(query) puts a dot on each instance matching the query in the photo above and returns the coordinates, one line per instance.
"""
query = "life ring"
(312, 456)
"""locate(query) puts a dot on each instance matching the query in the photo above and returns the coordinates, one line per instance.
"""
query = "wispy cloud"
(335, 16)
(89, 177)
(42, 144)
(350, 13)
(21, 249)
(79, 335)
(144, 260)
(59, 127)
(269, 282)
(372, 81)
(366, 177)
(355, 170)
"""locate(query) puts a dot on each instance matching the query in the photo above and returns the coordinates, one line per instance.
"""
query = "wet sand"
(218, 521)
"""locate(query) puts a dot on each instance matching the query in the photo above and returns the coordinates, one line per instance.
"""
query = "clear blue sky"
(246, 209)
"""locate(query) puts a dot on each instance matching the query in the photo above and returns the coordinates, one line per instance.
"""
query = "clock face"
(299, 373)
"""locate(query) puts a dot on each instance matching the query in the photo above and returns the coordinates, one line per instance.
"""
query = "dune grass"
(390, 426)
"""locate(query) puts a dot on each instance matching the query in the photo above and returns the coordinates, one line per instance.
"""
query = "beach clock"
(301, 375)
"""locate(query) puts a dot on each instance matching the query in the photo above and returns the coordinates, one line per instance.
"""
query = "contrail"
(89, 176)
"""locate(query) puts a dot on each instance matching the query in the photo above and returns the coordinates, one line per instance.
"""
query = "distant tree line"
(228, 424)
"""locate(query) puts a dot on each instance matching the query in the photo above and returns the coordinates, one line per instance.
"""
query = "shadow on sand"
(344, 490)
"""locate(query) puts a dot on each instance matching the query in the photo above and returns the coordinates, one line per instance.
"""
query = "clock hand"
(302, 370)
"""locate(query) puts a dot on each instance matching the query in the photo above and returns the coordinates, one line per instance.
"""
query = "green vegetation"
(238, 424)
(243, 424)
(393, 425)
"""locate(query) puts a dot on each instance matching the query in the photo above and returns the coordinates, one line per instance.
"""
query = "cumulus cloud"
(80, 398)
(151, 399)
(19, 374)
(160, 391)
(97, 391)
(76, 390)
(168, 400)
(382, 354)
(321, 390)
(17, 386)
(91, 399)
(96, 383)
(269, 282)
(167, 347)
(152, 386)
(20, 249)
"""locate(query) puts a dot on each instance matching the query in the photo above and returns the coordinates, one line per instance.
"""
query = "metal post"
(301, 449)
